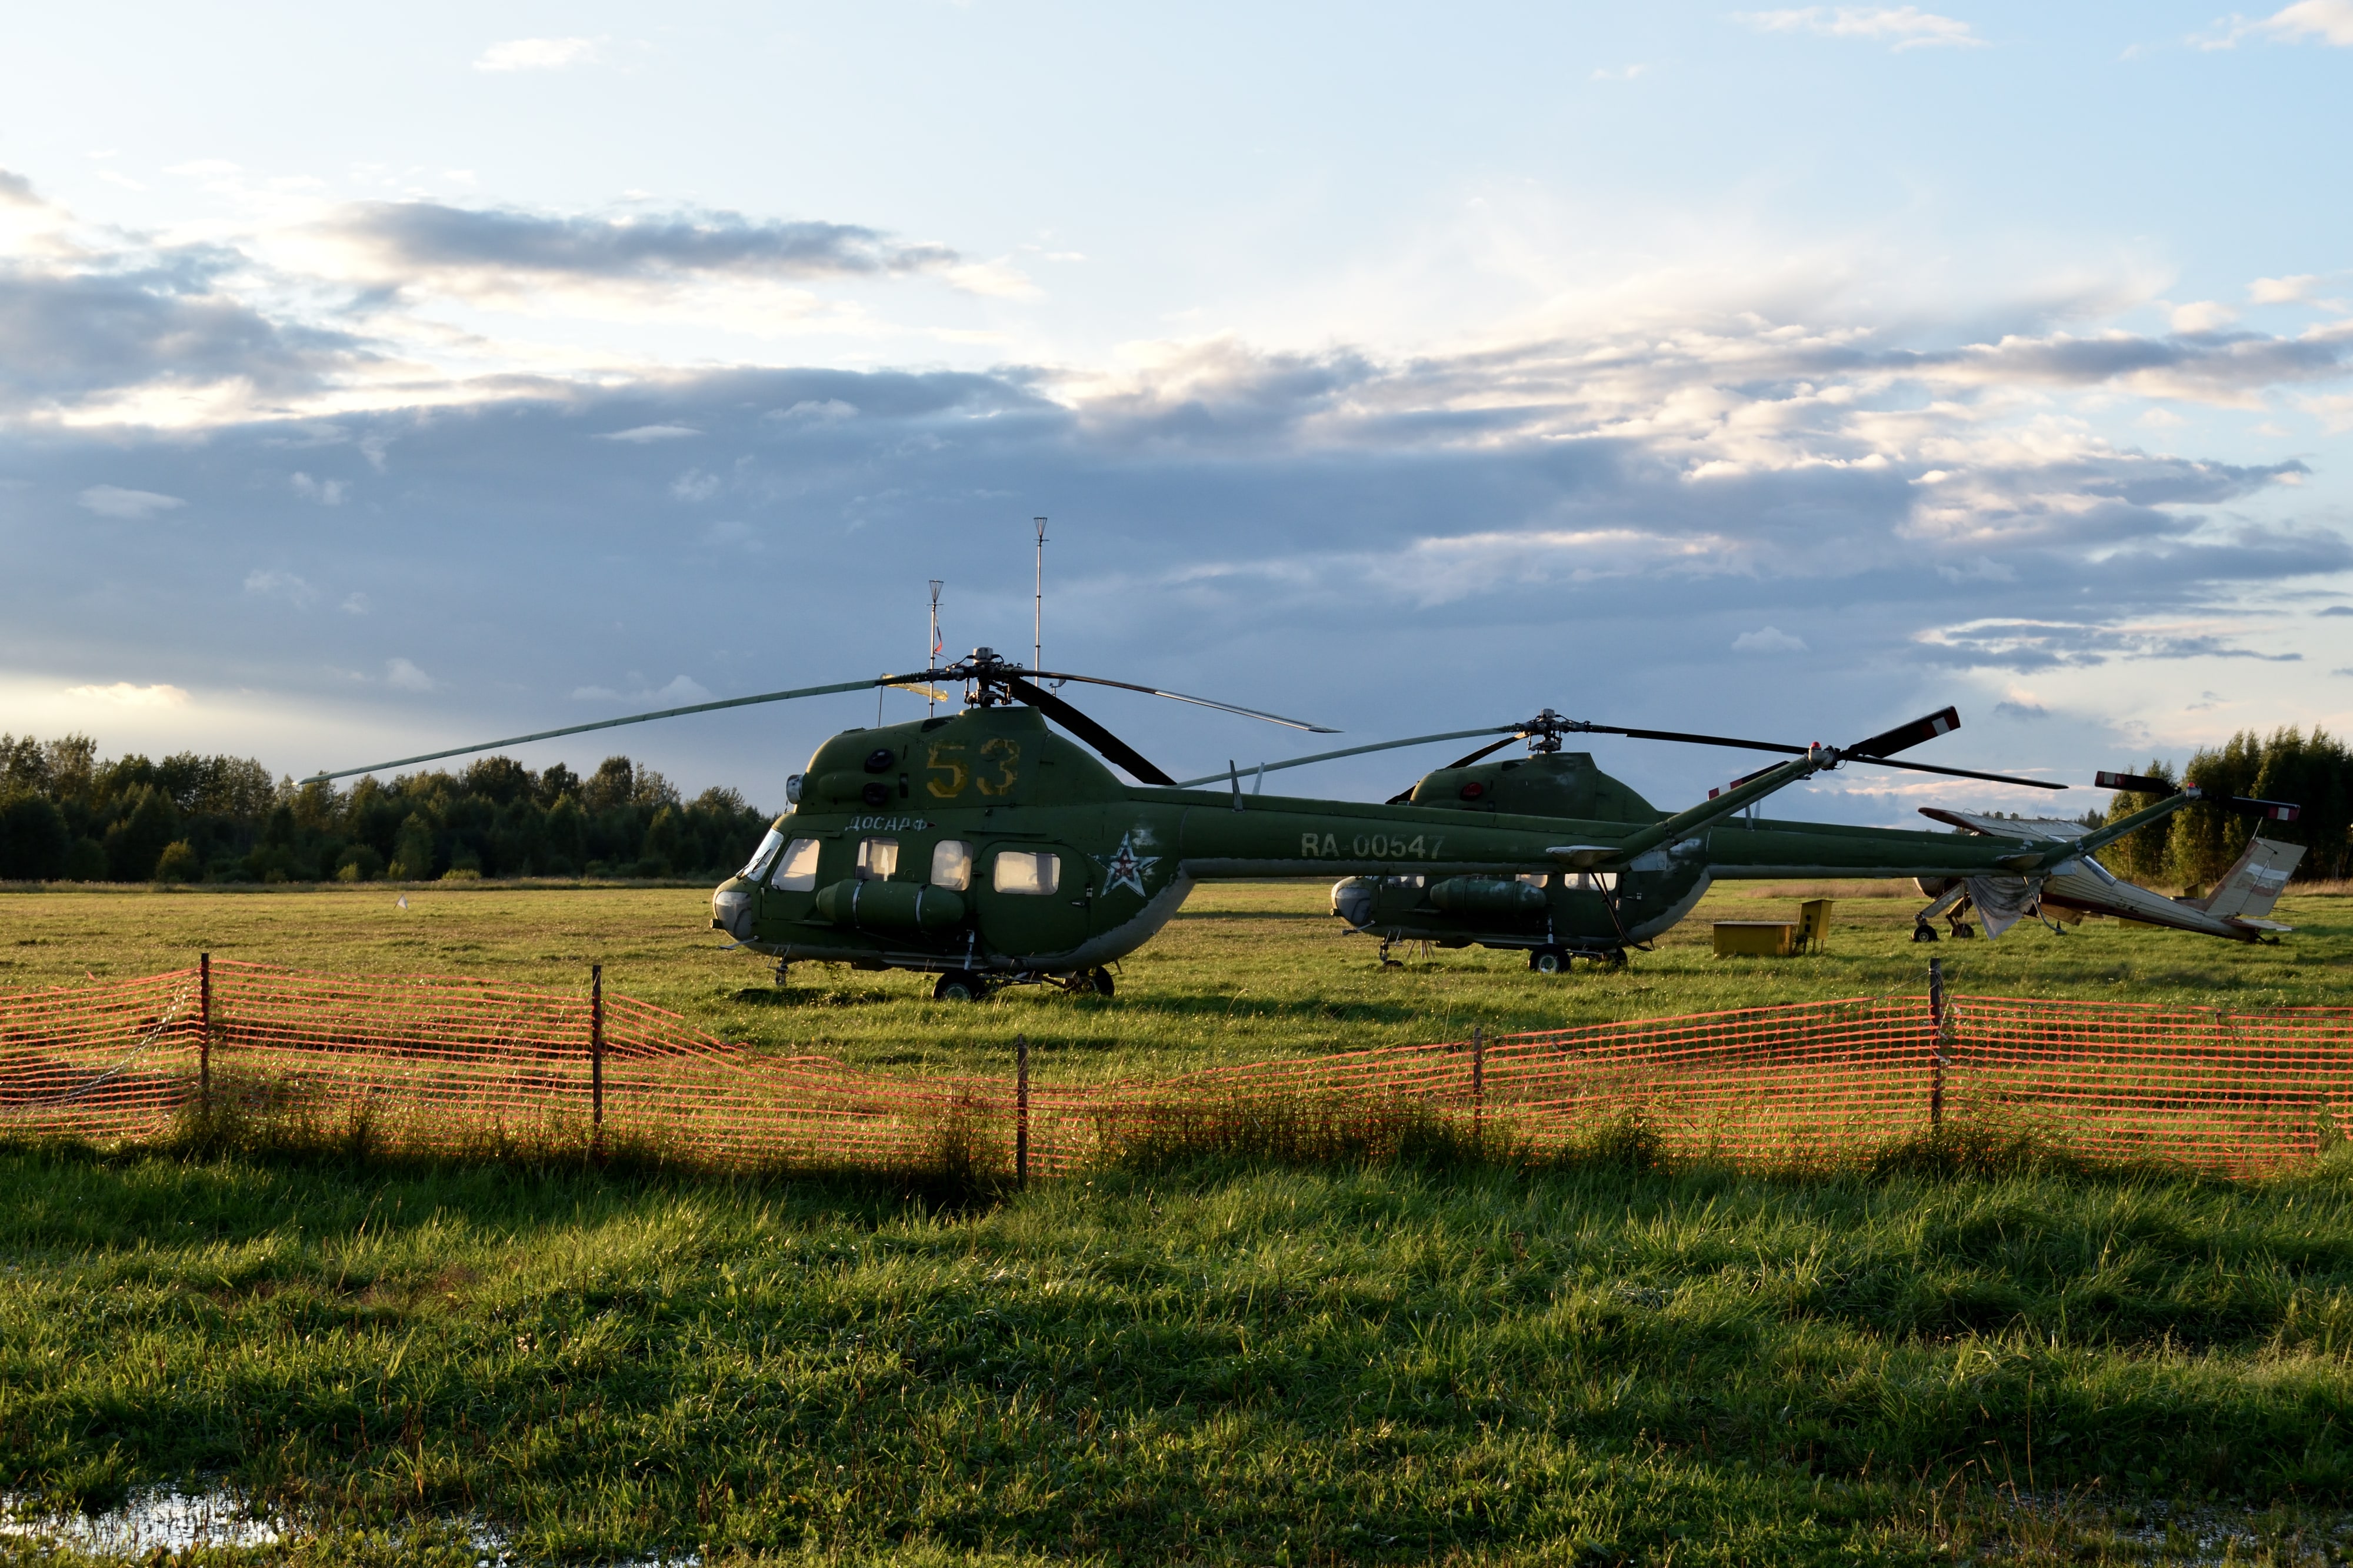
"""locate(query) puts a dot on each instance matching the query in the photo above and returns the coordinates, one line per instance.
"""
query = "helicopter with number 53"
(986, 850)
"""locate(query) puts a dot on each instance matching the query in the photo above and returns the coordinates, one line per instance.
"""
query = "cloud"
(539, 54)
(826, 412)
(283, 585)
(2203, 315)
(403, 676)
(113, 501)
(1903, 27)
(1767, 639)
(326, 492)
(2336, 610)
(2020, 703)
(683, 691)
(472, 248)
(644, 433)
(122, 694)
(2046, 645)
(355, 604)
(15, 190)
(70, 336)
(694, 485)
(2330, 21)
(2284, 290)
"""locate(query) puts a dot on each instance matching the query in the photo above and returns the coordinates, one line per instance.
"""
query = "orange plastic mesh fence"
(454, 1064)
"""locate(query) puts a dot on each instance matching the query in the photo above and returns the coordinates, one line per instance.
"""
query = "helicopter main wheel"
(1614, 959)
(959, 986)
(1924, 931)
(1088, 983)
(1101, 981)
(1548, 960)
(1964, 930)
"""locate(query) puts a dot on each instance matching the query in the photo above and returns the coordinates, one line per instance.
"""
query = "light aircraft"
(2082, 886)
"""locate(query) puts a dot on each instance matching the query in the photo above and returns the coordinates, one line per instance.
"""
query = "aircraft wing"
(2050, 827)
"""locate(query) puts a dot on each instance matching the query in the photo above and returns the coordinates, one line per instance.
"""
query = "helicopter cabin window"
(1537, 879)
(1021, 871)
(797, 867)
(758, 866)
(877, 859)
(952, 865)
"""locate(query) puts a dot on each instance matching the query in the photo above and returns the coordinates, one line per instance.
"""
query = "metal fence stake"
(204, 1031)
(1936, 1047)
(597, 1059)
(1020, 1111)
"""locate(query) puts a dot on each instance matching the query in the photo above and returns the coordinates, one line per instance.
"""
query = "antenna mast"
(932, 659)
(1038, 640)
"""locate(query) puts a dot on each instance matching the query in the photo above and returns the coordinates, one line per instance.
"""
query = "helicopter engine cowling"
(1933, 887)
(1352, 900)
(876, 905)
(731, 910)
(1486, 896)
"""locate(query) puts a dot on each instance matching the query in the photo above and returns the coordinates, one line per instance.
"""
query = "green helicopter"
(985, 848)
(1549, 917)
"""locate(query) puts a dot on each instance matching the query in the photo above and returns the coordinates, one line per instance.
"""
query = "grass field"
(1245, 972)
(1215, 1362)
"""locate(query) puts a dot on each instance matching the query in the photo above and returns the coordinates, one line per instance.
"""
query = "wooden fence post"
(1478, 1082)
(204, 1031)
(1936, 1047)
(597, 1059)
(1021, 1110)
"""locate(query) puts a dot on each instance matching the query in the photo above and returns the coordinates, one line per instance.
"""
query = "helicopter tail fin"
(2253, 885)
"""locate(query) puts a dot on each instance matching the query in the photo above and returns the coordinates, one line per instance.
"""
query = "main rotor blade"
(1954, 773)
(615, 723)
(1904, 737)
(1509, 732)
(1180, 697)
(1087, 729)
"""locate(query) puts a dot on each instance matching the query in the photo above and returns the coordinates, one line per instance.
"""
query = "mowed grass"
(1246, 972)
(1229, 1362)
(1214, 1365)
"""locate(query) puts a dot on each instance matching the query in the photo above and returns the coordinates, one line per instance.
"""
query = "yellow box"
(1758, 939)
(1814, 924)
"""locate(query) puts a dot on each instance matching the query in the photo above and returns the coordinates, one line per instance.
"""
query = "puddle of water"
(177, 1520)
(151, 1517)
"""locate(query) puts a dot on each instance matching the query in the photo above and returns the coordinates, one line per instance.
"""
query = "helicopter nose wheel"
(1548, 960)
(1924, 931)
(959, 986)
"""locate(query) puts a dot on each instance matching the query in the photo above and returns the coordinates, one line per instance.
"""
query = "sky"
(1780, 372)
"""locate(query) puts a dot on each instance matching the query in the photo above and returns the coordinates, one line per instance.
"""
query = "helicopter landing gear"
(1923, 931)
(960, 985)
(1614, 959)
(1090, 983)
(1963, 931)
(1548, 960)
(781, 967)
(1386, 962)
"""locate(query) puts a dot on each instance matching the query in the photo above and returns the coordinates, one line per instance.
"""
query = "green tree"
(34, 840)
(178, 863)
(135, 843)
(412, 854)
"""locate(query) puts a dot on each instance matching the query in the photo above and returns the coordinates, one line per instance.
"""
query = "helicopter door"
(1032, 899)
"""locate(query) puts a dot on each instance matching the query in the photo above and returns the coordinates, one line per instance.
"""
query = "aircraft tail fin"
(2253, 885)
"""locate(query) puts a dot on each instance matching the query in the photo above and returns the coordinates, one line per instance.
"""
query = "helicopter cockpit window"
(797, 867)
(877, 857)
(758, 866)
(1020, 871)
(952, 865)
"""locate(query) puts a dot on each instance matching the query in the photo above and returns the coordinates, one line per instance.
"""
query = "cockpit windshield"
(758, 866)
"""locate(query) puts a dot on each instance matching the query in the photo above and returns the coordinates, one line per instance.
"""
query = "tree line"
(2195, 847)
(66, 814)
